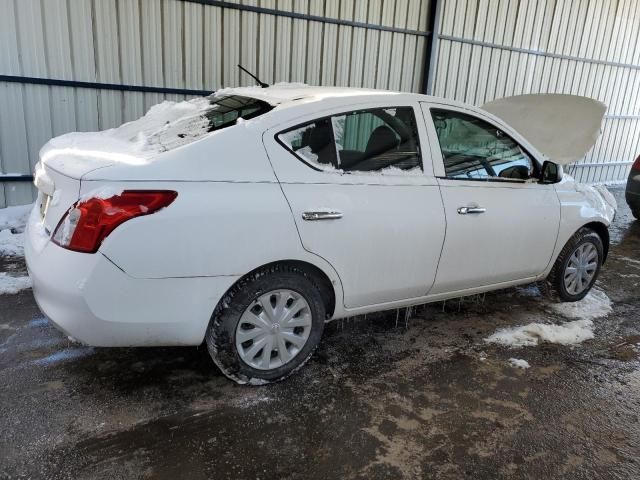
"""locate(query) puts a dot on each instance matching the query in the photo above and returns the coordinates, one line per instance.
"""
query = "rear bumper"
(92, 300)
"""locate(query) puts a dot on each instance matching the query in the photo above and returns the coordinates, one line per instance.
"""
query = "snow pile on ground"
(14, 218)
(11, 244)
(519, 363)
(11, 285)
(595, 305)
(569, 333)
(12, 224)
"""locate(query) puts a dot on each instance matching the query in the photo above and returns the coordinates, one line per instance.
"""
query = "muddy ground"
(382, 398)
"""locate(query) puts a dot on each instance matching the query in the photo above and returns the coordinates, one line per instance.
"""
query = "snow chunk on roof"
(283, 92)
(134, 142)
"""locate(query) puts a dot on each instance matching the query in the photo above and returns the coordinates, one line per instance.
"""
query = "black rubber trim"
(16, 178)
(101, 86)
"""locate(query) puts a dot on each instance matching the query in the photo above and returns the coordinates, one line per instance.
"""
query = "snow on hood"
(133, 142)
(562, 127)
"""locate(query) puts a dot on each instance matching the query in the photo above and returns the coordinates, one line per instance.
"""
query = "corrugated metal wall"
(488, 49)
(185, 45)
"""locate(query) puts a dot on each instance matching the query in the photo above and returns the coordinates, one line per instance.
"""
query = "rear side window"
(475, 149)
(374, 140)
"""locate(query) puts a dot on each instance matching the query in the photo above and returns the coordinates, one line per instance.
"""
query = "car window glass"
(472, 148)
(313, 142)
(376, 140)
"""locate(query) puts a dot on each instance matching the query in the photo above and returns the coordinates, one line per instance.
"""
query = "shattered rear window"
(205, 115)
(225, 110)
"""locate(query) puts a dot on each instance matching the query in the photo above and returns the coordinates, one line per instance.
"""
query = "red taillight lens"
(636, 164)
(89, 222)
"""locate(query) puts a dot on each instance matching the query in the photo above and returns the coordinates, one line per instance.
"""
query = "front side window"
(376, 140)
(475, 149)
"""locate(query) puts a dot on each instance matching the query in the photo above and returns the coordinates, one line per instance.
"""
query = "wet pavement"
(388, 396)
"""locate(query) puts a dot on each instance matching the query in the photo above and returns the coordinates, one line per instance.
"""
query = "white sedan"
(250, 218)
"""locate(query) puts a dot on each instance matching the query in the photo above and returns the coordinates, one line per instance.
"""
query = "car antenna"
(261, 83)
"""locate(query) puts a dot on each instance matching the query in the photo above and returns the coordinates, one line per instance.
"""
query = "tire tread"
(226, 306)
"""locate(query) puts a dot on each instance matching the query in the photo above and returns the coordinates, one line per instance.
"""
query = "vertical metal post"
(431, 58)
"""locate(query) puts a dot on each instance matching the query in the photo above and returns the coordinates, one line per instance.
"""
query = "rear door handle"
(312, 215)
(466, 210)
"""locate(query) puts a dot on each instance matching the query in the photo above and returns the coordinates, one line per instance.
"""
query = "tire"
(636, 214)
(589, 241)
(234, 320)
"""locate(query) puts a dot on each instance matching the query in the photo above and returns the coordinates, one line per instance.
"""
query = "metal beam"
(607, 164)
(431, 50)
(101, 86)
(311, 18)
(622, 117)
(16, 177)
(538, 52)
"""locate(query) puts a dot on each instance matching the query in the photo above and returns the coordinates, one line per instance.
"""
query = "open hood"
(562, 127)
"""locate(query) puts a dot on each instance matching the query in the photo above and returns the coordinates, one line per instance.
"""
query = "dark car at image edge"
(632, 193)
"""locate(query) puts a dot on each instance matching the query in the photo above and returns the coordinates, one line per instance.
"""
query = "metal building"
(70, 65)
(92, 64)
(488, 49)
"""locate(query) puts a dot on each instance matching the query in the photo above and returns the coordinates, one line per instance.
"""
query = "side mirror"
(551, 172)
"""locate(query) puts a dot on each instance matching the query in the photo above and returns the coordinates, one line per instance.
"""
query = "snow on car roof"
(169, 125)
(283, 93)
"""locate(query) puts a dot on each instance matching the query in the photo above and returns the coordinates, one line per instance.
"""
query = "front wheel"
(577, 267)
(267, 326)
(636, 214)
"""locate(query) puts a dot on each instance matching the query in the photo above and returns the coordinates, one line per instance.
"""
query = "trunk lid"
(562, 127)
(56, 193)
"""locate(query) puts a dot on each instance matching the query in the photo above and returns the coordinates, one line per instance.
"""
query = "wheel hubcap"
(581, 268)
(273, 329)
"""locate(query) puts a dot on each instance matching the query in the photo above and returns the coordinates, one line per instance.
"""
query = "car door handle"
(466, 210)
(312, 216)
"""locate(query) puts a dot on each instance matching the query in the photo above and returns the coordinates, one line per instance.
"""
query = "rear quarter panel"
(211, 229)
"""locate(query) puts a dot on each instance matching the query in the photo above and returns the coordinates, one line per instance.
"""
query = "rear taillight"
(89, 222)
(636, 164)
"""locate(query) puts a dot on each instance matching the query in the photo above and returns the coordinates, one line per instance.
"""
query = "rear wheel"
(636, 213)
(577, 267)
(267, 326)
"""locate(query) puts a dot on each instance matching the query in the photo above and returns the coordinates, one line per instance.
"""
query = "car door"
(361, 189)
(502, 224)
